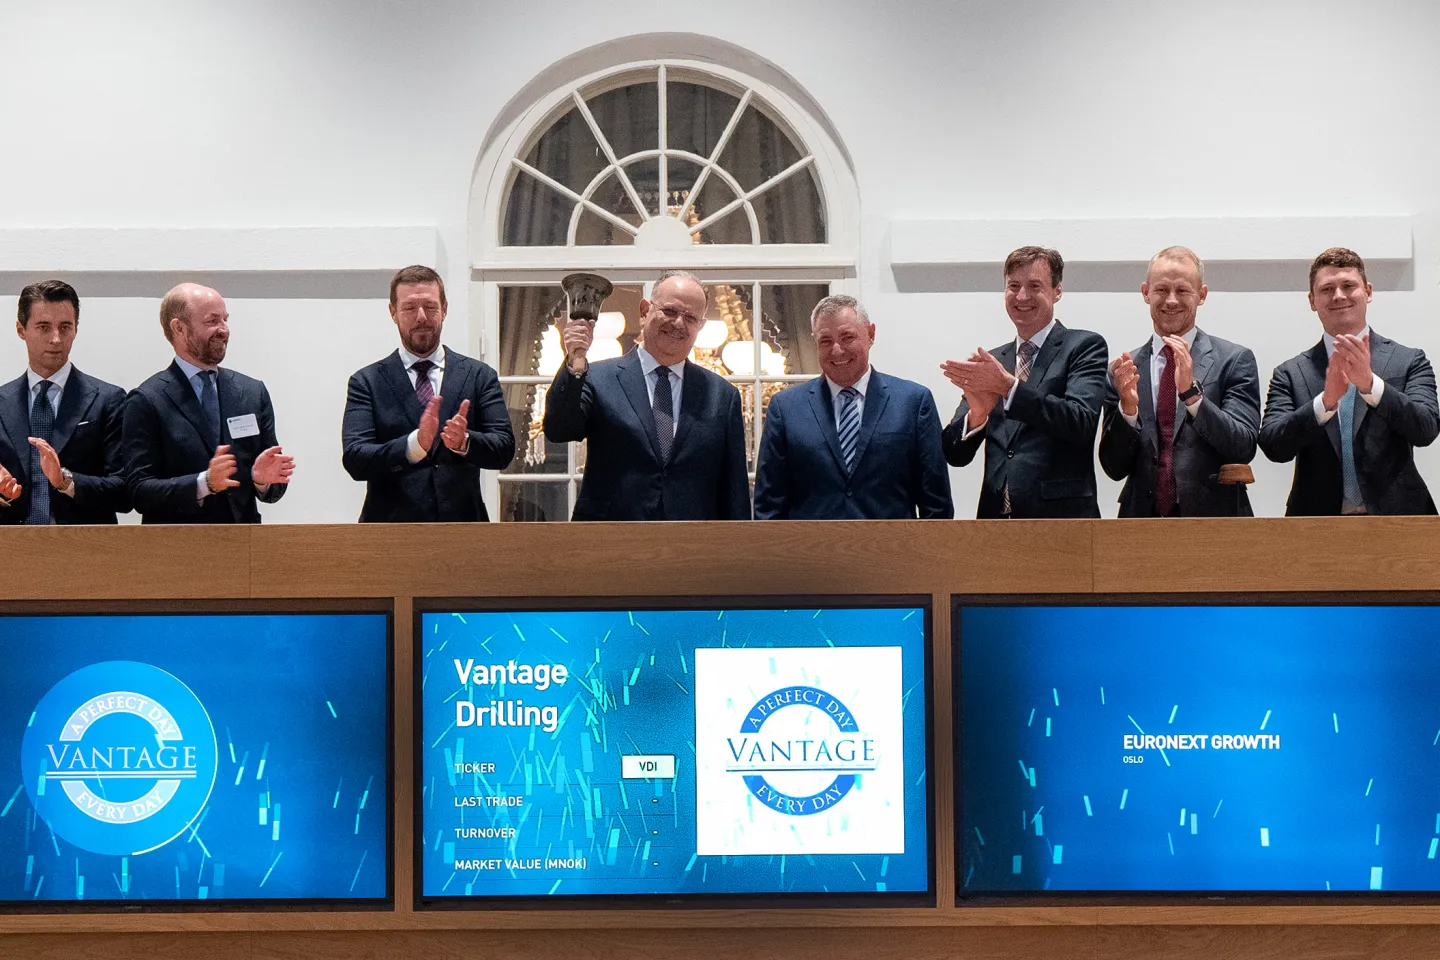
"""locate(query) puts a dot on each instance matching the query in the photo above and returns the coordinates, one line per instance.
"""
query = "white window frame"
(493, 265)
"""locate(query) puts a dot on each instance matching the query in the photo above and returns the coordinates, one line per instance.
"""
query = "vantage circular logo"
(800, 761)
(119, 758)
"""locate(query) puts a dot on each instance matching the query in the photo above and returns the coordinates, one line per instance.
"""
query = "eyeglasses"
(675, 313)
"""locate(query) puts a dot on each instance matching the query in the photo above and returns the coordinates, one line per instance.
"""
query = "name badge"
(243, 426)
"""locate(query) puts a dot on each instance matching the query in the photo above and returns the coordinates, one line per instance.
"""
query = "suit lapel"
(1202, 358)
(393, 371)
(182, 395)
(824, 410)
(232, 402)
(455, 386)
(1048, 350)
(1000, 428)
(1382, 353)
(692, 402)
(1312, 368)
(1149, 425)
(876, 396)
(75, 400)
(15, 418)
(632, 381)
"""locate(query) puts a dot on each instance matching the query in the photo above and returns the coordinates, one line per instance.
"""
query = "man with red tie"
(422, 423)
(1351, 410)
(1181, 406)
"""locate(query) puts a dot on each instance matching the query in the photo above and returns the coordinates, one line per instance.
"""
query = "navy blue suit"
(625, 479)
(87, 439)
(167, 445)
(899, 470)
(381, 411)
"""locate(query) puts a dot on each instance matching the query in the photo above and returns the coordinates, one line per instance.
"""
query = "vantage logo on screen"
(799, 751)
(119, 758)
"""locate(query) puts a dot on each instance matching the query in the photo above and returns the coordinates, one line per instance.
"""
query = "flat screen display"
(182, 759)
(1195, 747)
(725, 749)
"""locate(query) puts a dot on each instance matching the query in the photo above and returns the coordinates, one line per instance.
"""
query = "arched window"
(639, 168)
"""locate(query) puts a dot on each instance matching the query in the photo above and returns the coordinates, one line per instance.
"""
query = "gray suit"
(1222, 431)
(1406, 417)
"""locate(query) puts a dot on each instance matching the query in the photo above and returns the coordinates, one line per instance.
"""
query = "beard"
(422, 341)
(210, 351)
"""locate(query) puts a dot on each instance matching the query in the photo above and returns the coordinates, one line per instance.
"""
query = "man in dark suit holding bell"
(60, 456)
(199, 438)
(1351, 410)
(1034, 402)
(422, 423)
(1181, 406)
(666, 439)
(853, 444)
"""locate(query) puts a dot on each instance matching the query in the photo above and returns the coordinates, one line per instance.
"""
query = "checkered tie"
(42, 425)
(849, 426)
(664, 407)
(1023, 362)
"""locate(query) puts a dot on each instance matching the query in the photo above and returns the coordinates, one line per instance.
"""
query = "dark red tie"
(1165, 423)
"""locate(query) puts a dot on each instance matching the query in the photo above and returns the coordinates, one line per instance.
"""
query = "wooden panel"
(1342, 553)
(671, 558)
(126, 562)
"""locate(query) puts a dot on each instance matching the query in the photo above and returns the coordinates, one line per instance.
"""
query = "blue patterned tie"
(1349, 479)
(664, 407)
(849, 425)
(210, 405)
(42, 425)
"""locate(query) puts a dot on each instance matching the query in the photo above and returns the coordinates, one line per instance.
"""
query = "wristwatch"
(68, 477)
(1192, 393)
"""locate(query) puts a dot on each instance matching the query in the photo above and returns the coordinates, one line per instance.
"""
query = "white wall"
(371, 113)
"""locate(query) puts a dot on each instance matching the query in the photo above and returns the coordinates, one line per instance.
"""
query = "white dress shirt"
(413, 451)
(648, 366)
(57, 380)
(1377, 389)
(859, 386)
(1157, 367)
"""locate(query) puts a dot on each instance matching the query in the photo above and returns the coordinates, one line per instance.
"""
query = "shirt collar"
(1038, 339)
(649, 363)
(58, 378)
(860, 385)
(437, 357)
(1157, 342)
(190, 370)
(1330, 341)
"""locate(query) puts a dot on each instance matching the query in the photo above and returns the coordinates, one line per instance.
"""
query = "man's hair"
(668, 274)
(416, 274)
(1337, 257)
(174, 306)
(833, 305)
(1025, 256)
(1178, 253)
(50, 291)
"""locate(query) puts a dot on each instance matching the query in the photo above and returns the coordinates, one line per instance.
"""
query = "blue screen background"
(1350, 801)
(630, 692)
(269, 683)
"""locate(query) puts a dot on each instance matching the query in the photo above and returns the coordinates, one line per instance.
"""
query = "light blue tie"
(1349, 479)
(849, 426)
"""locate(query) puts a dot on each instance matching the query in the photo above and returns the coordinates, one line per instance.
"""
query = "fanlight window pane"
(696, 116)
(629, 117)
(536, 215)
(568, 152)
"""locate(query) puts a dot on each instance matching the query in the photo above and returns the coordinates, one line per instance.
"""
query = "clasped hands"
(455, 433)
(1127, 378)
(1349, 364)
(984, 380)
(272, 466)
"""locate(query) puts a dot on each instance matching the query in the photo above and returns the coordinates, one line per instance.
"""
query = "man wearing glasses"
(666, 438)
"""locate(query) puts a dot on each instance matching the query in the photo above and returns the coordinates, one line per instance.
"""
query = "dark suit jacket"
(167, 445)
(1222, 431)
(899, 466)
(1406, 417)
(87, 438)
(380, 413)
(624, 478)
(1044, 445)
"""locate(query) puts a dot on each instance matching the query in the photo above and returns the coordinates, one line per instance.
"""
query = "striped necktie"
(849, 426)
(1024, 360)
